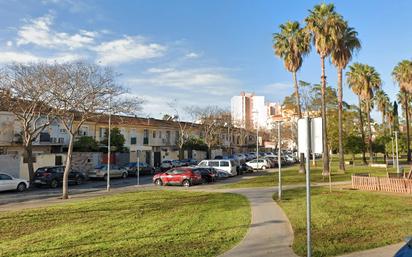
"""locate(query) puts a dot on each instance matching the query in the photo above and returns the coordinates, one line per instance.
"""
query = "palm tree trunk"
(384, 133)
(369, 132)
(407, 126)
(324, 134)
(297, 96)
(340, 102)
(362, 131)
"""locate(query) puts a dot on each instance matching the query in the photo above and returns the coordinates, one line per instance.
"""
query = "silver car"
(101, 172)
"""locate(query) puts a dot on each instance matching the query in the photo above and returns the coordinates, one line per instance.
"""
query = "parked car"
(244, 168)
(177, 163)
(406, 250)
(101, 172)
(271, 160)
(191, 162)
(166, 165)
(227, 165)
(218, 157)
(144, 168)
(8, 182)
(221, 174)
(178, 176)
(209, 175)
(52, 176)
(259, 164)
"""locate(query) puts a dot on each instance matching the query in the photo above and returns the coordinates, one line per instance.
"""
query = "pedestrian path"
(386, 251)
(270, 233)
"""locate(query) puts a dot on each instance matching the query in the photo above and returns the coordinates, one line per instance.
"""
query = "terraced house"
(154, 140)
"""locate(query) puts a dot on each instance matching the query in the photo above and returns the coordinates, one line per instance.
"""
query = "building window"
(133, 140)
(160, 134)
(146, 137)
(154, 133)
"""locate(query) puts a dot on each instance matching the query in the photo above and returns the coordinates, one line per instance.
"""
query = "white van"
(228, 166)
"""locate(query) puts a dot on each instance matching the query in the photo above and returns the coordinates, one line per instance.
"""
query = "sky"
(179, 53)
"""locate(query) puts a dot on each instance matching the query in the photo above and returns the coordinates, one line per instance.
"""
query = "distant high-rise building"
(249, 110)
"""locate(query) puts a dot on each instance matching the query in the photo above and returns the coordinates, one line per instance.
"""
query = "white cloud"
(39, 32)
(192, 55)
(205, 80)
(26, 57)
(127, 49)
(9, 43)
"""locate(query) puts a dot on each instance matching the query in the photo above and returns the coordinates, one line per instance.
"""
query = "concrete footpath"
(386, 251)
(270, 233)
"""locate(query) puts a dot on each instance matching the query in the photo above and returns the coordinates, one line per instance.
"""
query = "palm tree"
(291, 44)
(364, 81)
(326, 27)
(402, 73)
(382, 102)
(341, 56)
(403, 99)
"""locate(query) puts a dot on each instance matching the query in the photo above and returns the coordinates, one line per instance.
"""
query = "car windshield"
(102, 166)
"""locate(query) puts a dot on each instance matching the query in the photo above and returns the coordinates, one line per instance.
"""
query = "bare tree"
(211, 121)
(184, 128)
(25, 93)
(84, 92)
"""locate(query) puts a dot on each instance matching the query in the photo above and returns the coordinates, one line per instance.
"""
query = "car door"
(167, 177)
(115, 171)
(225, 165)
(177, 177)
(6, 182)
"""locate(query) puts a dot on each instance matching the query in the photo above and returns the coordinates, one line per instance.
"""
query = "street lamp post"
(257, 138)
(279, 164)
(138, 167)
(108, 144)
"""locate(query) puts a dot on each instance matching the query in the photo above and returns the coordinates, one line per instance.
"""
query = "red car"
(178, 176)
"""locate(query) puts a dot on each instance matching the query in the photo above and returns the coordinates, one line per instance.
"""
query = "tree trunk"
(340, 109)
(181, 153)
(369, 132)
(28, 148)
(298, 107)
(362, 131)
(325, 136)
(67, 168)
(407, 127)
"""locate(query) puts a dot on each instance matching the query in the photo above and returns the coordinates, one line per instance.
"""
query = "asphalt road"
(89, 186)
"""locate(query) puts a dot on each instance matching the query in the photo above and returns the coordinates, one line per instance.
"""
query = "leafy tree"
(353, 145)
(116, 140)
(85, 144)
(348, 42)
(326, 27)
(195, 143)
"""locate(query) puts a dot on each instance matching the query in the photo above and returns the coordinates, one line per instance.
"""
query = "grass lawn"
(149, 223)
(347, 220)
(291, 175)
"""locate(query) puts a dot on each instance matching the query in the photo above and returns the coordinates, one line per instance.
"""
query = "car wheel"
(158, 182)
(105, 177)
(263, 167)
(79, 180)
(124, 175)
(54, 183)
(186, 183)
(21, 187)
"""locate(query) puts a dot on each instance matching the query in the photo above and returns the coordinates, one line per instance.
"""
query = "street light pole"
(279, 165)
(308, 201)
(108, 144)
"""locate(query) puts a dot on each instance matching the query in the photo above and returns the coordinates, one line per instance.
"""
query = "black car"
(209, 175)
(144, 168)
(53, 176)
(244, 168)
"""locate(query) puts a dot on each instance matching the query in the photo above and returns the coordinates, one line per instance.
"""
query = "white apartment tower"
(249, 110)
